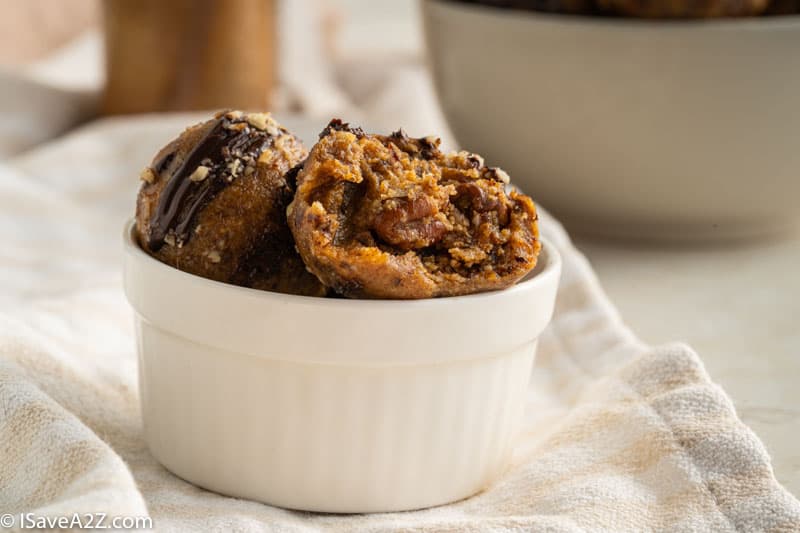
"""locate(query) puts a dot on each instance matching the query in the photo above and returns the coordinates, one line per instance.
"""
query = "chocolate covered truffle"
(213, 203)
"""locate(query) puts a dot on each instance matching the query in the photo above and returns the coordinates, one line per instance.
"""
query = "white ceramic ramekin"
(333, 405)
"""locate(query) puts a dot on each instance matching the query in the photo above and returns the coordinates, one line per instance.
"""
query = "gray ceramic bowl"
(629, 127)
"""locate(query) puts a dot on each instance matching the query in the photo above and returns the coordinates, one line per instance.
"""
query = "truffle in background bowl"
(636, 128)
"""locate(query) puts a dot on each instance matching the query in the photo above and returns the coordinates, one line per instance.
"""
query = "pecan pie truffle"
(783, 7)
(213, 203)
(684, 8)
(576, 7)
(394, 217)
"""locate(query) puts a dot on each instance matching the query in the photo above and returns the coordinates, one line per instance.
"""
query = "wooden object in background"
(188, 54)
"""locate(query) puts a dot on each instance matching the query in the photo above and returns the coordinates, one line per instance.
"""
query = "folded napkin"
(618, 436)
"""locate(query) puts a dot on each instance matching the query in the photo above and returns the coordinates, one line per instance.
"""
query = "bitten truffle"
(213, 203)
(394, 217)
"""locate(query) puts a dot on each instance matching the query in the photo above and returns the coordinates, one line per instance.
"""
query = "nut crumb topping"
(501, 175)
(213, 256)
(233, 167)
(263, 121)
(199, 174)
(236, 126)
(147, 175)
(476, 160)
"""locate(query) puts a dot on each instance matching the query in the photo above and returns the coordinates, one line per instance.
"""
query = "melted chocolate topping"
(228, 149)
(336, 124)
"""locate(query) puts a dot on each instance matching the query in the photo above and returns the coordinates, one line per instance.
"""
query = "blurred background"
(667, 148)
(309, 56)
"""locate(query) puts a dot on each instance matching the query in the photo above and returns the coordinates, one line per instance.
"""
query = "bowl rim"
(770, 22)
(548, 265)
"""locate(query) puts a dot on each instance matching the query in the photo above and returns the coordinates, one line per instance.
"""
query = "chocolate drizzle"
(336, 124)
(229, 138)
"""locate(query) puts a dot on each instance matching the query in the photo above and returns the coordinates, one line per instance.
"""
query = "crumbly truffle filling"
(404, 198)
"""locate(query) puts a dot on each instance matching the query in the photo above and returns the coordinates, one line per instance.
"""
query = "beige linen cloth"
(617, 436)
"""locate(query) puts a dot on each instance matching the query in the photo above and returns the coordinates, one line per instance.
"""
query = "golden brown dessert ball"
(783, 7)
(684, 8)
(393, 217)
(577, 7)
(213, 203)
(652, 8)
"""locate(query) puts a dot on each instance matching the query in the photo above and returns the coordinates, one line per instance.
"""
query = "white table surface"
(738, 306)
